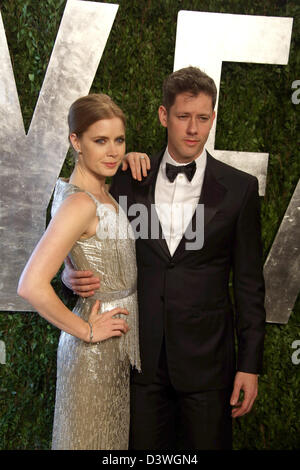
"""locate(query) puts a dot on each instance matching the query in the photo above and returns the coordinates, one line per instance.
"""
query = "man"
(190, 384)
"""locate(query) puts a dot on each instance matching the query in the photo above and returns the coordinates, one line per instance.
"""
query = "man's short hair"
(188, 79)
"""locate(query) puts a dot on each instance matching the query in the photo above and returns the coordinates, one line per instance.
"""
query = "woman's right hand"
(139, 164)
(105, 326)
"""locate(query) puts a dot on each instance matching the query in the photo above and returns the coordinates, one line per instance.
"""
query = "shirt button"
(171, 265)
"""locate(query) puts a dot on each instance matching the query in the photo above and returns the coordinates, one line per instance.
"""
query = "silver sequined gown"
(92, 389)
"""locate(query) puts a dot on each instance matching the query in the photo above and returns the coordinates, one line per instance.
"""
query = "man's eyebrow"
(198, 114)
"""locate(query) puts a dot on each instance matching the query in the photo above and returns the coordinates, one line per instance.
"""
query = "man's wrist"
(63, 280)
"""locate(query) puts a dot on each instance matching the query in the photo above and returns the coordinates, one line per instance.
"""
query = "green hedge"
(255, 114)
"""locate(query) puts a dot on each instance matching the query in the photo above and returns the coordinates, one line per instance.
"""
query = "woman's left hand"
(139, 164)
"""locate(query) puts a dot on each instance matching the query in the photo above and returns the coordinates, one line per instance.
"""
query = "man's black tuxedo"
(186, 297)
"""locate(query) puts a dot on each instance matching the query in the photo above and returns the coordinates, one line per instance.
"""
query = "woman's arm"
(70, 222)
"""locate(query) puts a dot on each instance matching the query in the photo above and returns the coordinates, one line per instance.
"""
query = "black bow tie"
(172, 171)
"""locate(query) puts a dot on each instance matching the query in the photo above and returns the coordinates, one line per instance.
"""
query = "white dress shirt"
(176, 202)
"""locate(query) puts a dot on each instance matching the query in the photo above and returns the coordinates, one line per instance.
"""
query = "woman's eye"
(100, 141)
(120, 140)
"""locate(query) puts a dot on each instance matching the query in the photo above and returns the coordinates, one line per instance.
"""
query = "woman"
(95, 350)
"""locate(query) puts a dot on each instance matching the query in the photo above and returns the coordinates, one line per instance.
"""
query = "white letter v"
(30, 164)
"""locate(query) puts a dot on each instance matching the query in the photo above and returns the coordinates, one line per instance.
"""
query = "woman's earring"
(76, 156)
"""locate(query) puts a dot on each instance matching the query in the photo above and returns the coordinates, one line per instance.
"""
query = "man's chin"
(192, 153)
(189, 157)
(186, 155)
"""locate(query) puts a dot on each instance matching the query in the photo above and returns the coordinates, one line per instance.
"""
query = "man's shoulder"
(229, 172)
(125, 177)
(122, 175)
(121, 184)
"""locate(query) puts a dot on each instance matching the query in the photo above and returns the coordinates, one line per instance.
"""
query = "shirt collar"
(200, 161)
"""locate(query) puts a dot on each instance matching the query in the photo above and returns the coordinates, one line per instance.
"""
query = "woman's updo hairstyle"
(87, 110)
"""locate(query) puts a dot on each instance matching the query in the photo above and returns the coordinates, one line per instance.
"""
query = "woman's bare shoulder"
(78, 205)
(80, 200)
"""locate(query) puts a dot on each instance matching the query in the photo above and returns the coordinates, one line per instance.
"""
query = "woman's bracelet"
(91, 331)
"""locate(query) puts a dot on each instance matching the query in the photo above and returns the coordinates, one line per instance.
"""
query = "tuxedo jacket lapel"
(144, 192)
(213, 191)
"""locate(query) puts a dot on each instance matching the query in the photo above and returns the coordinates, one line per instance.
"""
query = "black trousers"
(167, 419)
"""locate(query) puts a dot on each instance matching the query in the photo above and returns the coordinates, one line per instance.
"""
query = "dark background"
(256, 114)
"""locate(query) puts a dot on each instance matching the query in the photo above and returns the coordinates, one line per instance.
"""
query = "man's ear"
(163, 116)
(212, 119)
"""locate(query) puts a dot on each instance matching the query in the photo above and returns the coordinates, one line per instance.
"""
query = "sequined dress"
(92, 388)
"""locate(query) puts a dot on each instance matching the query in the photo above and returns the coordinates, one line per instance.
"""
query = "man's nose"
(192, 126)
